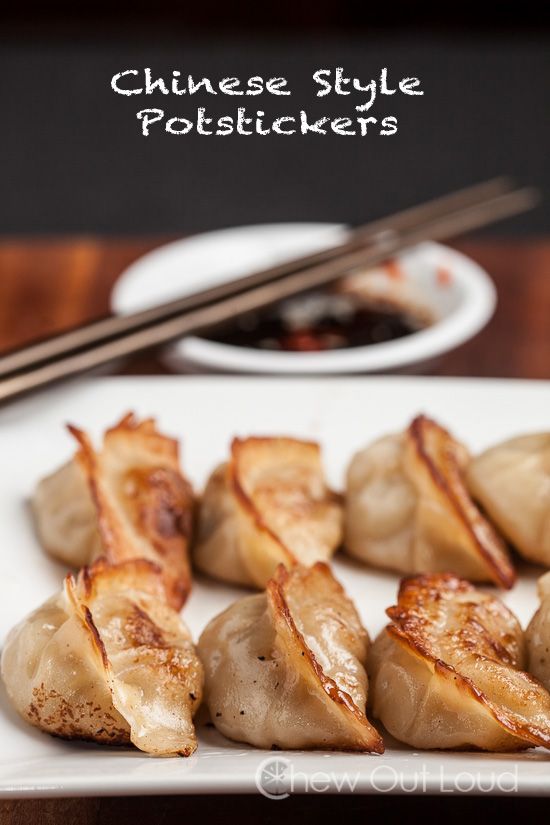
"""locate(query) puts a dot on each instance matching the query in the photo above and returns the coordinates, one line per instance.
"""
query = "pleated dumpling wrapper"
(538, 635)
(128, 500)
(408, 509)
(268, 505)
(511, 481)
(286, 668)
(109, 661)
(448, 671)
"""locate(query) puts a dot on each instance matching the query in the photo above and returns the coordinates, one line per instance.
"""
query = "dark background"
(74, 159)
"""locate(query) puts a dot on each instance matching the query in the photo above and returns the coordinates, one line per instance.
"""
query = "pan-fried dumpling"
(286, 668)
(538, 635)
(268, 505)
(447, 672)
(128, 500)
(107, 660)
(407, 509)
(511, 481)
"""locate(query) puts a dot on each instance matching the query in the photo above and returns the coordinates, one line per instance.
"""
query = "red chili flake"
(302, 341)
(393, 270)
(444, 276)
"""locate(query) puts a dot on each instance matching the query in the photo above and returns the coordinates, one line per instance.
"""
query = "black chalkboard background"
(74, 159)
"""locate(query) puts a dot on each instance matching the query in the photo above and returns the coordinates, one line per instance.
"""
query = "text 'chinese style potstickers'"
(448, 671)
(268, 505)
(107, 660)
(407, 509)
(512, 483)
(127, 500)
(286, 668)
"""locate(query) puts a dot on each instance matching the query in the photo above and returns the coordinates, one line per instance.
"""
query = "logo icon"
(273, 777)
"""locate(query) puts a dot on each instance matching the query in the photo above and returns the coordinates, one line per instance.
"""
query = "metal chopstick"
(212, 312)
(378, 233)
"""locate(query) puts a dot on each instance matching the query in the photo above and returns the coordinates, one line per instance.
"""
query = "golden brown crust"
(157, 500)
(107, 660)
(161, 505)
(65, 721)
(100, 575)
(411, 627)
(161, 444)
(98, 643)
(138, 574)
(444, 459)
(235, 475)
(240, 449)
(269, 504)
(276, 592)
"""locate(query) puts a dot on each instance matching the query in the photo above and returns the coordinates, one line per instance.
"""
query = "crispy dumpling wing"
(538, 635)
(511, 481)
(109, 661)
(448, 671)
(268, 505)
(286, 668)
(408, 509)
(128, 500)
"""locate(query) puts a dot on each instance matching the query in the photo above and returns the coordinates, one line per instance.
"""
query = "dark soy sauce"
(316, 323)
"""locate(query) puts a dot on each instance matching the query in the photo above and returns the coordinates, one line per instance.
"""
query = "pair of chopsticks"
(101, 342)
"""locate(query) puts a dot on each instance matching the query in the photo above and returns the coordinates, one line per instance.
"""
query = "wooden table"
(47, 285)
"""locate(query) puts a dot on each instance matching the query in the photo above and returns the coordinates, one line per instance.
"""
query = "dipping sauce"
(316, 323)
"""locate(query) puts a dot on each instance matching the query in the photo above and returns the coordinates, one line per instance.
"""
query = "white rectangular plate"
(344, 415)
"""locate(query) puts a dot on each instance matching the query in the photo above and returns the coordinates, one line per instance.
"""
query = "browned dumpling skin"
(286, 668)
(408, 509)
(448, 671)
(107, 660)
(268, 505)
(128, 500)
(512, 483)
